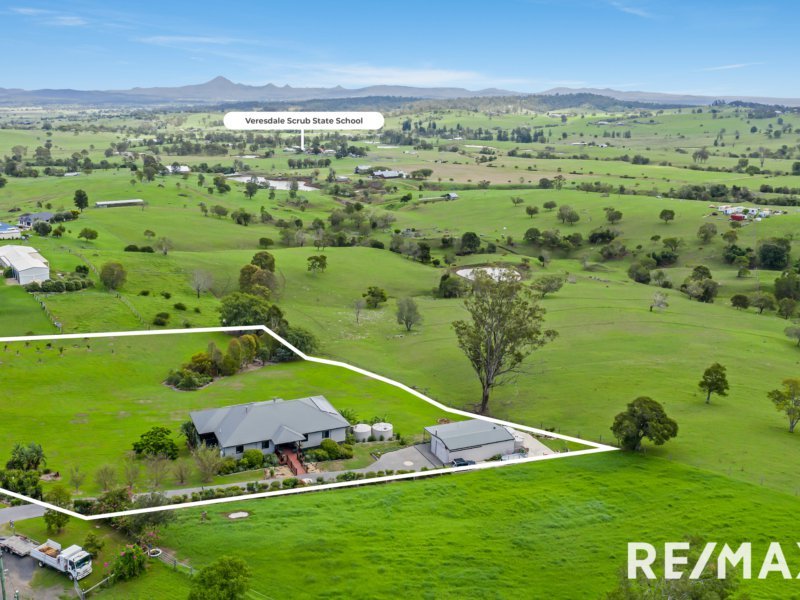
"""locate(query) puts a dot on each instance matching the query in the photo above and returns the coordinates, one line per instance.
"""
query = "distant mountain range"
(221, 90)
(662, 98)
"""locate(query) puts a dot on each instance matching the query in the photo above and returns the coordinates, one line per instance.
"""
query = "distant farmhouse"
(119, 203)
(470, 440)
(26, 264)
(9, 232)
(389, 174)
(362, 169)
(282, 425)
(27, 220)
(177, 169)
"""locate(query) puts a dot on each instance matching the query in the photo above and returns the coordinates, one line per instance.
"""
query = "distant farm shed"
(119, 203)
(471, 440)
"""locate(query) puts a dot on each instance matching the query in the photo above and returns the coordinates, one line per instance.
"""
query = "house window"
(239, 449)
(265, 445)
(326, 434)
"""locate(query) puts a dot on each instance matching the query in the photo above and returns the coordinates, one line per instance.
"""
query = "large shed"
(26, 264)
(474, 439)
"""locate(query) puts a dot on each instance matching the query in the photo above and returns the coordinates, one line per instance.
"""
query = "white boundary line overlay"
(594, 447)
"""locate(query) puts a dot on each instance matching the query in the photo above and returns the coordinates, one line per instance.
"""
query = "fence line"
(119, 296)
(56, 323)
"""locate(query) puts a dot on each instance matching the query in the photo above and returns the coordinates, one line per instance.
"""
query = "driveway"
(20, 513)
(19, 572)
(412, 458)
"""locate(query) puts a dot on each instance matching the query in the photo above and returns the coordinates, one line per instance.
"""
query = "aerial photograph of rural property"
(353, 300)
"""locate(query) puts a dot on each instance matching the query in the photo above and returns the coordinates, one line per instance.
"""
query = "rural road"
(20, 513)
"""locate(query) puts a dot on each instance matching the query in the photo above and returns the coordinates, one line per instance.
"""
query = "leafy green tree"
(714, 381)
(81, 199)
(93, 544)
(774, 253)
(317, 264)
(227, 578)
(567, 214)
(644, 418)
(42, 228)
(613, 215)
(76, 477)
(113, 275)
(505, 327)
(250, 189)
(762, 301)
(549, 205)
(241, 308)
(531, 210)
(88, 234)
(793, 333)
(264, 260)
(740, 301)
(671, 243)
(707, 232)
(156, 441)
(730, 237)
(548, 284)
(667, 215)
(408, 313)
(374, 296)
(164, 245)
(56, 520)
(470, 243)
(787, 307)
(787, 401)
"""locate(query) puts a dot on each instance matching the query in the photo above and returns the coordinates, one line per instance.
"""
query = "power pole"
(2, 577)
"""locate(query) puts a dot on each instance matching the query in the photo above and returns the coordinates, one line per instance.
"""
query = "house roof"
(37, 216)
(469, 434)
(114, 202)
(281, 421)
(22, 258)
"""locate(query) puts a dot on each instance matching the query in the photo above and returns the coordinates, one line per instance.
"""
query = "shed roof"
(22, 258)
(281, 421)
(469, 434)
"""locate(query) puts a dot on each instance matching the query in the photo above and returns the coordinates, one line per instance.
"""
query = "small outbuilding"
(474, 439)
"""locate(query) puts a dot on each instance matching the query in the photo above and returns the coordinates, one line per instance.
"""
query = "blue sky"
(704, 47)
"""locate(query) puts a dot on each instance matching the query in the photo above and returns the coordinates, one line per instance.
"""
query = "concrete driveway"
(412, 458)
(20, 513)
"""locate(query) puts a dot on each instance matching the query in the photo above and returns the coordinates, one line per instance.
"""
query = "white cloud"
(66, 21)
(732, 66)
(631, 10)
(30, 12)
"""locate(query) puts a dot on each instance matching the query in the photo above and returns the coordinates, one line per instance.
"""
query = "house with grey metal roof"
(474, 439)
(26, 264)
(270, 426)
(27, 220)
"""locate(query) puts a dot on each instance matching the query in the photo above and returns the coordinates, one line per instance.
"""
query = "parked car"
(461, 462)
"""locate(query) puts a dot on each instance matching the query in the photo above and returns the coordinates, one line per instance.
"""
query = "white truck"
(74, 561)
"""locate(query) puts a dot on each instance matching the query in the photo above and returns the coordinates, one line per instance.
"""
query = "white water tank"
(361, 432)
(382, 431)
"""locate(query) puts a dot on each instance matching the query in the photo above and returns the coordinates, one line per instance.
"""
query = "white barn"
(471, 440)
(26, 263)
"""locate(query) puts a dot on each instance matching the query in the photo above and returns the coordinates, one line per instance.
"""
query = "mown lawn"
(557, 529)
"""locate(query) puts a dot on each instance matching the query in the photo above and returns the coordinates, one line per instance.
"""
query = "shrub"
(275, 485)
(161, 322)
(290, 482)
(187, 379)
(131, 248)
(228, 466)
(148, 249)
(166, 295)
(144, 293)
(251, 459)
(179, 306)
(82, 269)
(131, 562)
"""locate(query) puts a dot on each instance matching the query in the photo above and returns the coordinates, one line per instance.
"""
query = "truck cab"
(78, 562)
